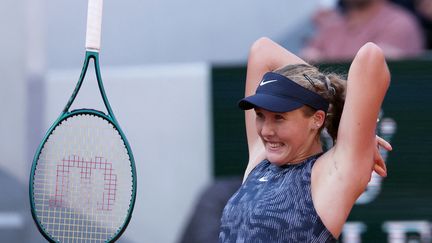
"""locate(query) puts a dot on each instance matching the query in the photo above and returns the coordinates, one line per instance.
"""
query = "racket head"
(83, 179)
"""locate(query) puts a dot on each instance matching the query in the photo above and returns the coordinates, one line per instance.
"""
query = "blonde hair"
(330, 86)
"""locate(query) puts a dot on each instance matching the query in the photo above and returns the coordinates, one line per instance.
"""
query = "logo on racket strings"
(77, 180)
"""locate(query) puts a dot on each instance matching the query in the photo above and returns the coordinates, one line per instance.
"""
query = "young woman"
(292, 191)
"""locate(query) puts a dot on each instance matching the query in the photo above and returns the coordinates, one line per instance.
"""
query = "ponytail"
(337, 102)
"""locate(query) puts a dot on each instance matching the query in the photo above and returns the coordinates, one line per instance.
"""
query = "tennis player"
(292, 191)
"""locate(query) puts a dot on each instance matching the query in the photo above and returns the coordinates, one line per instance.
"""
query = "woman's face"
(288, 137)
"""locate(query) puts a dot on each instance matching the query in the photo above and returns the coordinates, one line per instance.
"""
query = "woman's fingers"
(380, 170)
(383, 143)
(379, 166)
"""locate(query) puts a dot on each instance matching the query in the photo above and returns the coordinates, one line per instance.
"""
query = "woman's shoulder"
(328, 179)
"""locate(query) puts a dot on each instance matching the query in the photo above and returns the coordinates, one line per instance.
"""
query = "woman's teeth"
(274, 145)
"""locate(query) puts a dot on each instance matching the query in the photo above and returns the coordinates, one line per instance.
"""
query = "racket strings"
(85, 169)
(83, 181)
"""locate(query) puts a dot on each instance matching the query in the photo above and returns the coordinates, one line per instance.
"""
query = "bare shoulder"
(331, 171)
(333, 193)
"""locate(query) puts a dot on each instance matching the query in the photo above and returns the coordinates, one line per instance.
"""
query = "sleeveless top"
(274, 204)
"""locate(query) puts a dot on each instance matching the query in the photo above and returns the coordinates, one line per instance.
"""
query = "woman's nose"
(267, 129)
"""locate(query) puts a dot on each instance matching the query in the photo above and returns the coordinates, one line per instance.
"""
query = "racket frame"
(65, 115)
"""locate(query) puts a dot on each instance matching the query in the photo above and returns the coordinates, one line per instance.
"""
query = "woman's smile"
(274, 146)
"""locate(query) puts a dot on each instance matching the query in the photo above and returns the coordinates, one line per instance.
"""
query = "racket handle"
(94, 25)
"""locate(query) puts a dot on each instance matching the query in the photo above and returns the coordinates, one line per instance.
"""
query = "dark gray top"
(274, 204)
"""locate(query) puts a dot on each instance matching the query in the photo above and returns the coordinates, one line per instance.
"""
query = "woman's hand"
(380, 165)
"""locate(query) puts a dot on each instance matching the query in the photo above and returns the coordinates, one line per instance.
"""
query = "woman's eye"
(259, 115)
(279, 117)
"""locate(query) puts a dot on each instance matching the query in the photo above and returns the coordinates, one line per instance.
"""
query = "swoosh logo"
(263, 82)
(263, 179)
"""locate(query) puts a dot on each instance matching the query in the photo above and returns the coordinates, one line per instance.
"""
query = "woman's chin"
(276, 154)
(276, 159)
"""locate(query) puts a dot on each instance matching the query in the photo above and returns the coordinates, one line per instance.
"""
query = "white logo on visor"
(267, 82)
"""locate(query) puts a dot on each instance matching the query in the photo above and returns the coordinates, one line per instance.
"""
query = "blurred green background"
(405, 195)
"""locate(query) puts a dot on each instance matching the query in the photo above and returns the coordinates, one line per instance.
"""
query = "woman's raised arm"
(264, 56)
(368, 81)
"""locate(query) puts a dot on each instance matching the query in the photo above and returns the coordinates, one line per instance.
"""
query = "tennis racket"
(83, 178)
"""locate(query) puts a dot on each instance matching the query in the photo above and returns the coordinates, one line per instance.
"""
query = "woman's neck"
(315, 147)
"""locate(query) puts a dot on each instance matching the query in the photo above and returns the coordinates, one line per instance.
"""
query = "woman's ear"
(319, 118)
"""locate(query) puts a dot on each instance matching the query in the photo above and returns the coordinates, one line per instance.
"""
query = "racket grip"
(94, 25)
